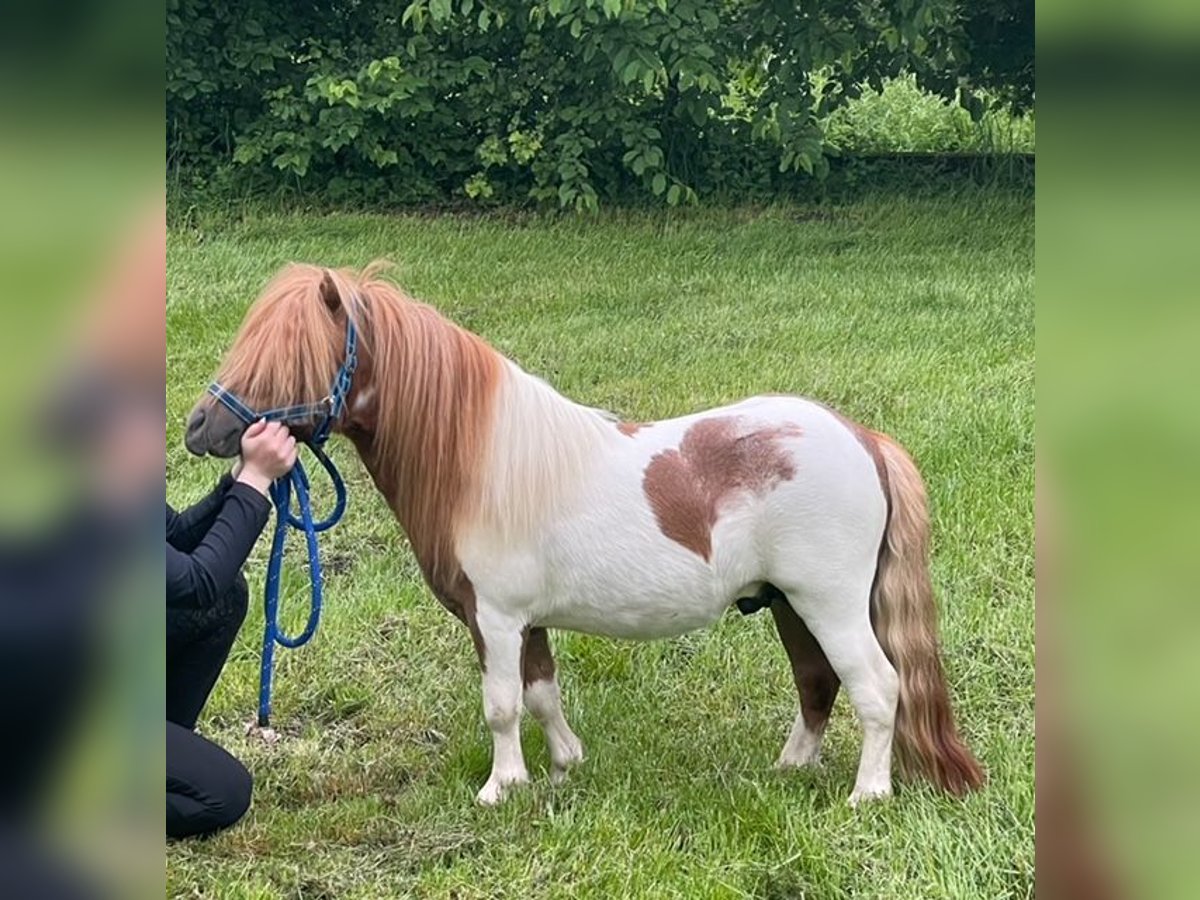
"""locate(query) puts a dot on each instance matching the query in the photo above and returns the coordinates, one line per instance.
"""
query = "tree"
(562, 101)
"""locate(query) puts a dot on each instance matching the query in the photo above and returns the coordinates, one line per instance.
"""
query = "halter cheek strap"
(339, 392)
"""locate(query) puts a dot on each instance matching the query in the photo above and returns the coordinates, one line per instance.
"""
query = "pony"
(527, 511)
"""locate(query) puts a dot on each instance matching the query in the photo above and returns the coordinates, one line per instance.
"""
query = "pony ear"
(329, 292)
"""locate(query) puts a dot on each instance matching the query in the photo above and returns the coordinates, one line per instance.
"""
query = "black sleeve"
(186, 529)
(195, 580)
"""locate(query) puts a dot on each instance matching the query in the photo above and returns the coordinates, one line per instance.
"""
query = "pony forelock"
(290, 342)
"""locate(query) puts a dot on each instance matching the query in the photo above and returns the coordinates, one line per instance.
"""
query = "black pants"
(207, 788)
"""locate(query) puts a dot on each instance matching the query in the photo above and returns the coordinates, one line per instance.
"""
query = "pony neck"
(542, 447)
(464, 439)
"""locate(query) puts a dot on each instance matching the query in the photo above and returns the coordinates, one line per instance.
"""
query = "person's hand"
(268, 452)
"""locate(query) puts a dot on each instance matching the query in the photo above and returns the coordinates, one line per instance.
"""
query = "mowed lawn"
(912, 316)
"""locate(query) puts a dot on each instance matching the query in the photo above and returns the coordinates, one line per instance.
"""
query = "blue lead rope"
(325, 413)
(273, 633)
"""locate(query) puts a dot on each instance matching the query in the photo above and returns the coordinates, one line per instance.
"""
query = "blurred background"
(81, 360)
(1117, 221)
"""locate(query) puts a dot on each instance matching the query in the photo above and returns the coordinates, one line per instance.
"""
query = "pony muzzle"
(213, 430)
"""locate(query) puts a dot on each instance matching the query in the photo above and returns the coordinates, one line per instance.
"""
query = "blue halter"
(325, 413)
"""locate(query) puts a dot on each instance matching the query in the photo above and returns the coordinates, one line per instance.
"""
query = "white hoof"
(568, 754)
(798, 760)
(801, 749)
(868, 794)
(497, 788)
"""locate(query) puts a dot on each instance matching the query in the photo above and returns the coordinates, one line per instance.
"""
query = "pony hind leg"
(839, 620)
(501, 638)
(816, 683)
(543, 699)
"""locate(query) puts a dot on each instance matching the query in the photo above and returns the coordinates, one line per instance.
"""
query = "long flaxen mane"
(434, 385)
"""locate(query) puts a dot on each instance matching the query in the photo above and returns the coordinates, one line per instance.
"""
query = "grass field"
(914, 316)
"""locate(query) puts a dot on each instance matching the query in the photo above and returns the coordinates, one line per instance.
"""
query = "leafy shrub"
(903, 117)
(566, 102)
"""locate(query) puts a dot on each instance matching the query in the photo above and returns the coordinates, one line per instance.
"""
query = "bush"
(901, 117)
(567, 102)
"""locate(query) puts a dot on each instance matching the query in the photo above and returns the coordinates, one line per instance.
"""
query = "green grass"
(911, 315)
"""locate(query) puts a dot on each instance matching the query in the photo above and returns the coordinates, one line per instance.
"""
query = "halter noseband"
(325, 411)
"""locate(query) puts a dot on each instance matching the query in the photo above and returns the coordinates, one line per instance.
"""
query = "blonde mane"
(435, 385)
(461, 435)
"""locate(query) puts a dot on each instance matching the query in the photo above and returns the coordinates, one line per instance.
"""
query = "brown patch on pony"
(816, 682)
(423, 437)
(686, 487)
(629, 429)
(904, 615)
(459, 599)
(537, 664)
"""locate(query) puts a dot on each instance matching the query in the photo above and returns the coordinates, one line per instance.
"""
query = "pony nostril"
(193, 434)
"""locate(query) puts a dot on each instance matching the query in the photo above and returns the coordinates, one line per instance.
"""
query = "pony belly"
(634, 618)
(632, 582)
(636, 609)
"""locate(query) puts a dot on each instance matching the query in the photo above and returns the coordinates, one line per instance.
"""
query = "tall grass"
(901, 117)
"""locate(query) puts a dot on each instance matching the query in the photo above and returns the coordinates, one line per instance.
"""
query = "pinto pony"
(527, 511)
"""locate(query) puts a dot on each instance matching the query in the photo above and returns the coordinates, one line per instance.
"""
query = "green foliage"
(989, 60)
(565, 102)
(903, 117)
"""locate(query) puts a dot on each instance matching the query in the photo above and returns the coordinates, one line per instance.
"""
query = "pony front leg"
(501, 639)
(544, 700)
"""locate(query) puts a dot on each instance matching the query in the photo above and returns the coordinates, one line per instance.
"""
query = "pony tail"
(905, 619)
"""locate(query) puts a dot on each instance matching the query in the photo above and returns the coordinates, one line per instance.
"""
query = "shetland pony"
(527, 511)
